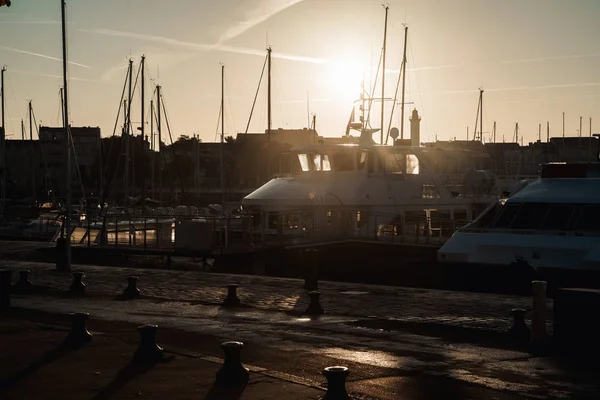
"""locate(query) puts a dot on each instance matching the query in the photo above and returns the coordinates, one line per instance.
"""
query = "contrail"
(56, 76)
(200, 46)
(42, 56)
(255, 16)
(151, 38)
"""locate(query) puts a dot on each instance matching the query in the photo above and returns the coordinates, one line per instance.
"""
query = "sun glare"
(346, 77)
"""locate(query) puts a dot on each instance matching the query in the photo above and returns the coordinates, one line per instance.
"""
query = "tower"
(415, 129)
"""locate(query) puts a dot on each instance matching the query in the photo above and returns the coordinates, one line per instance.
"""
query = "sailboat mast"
(143, 177)
(3, 143)
(403, 84)
(152, 148)
(268, 112)
(223, 136)
(383, 73)
(481, 114)
(268, 94)
(30, 121)
(66, 260)
(126, 133)
(159, 127)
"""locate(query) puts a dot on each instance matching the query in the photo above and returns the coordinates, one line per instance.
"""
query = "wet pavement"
(399, 343)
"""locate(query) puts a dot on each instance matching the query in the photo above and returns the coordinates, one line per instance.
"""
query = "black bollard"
(5, 281)
(311, 269)
(79, 333)
(148, 352)
(336, 383)
(232, 370)
(519, 330)
(231, 300)
(314, 308)
(131, 291)
(24, 284)
(77, 287)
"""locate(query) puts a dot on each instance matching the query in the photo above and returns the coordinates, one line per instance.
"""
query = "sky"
(535, 59)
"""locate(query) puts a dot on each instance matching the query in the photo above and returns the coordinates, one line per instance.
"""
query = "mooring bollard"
(131, 291)
(24, 284)
(232, 370)
(538, 318)
(336, 383)
(519, 329)
(77, 286)
(148, 352)
(79, 333)
(5, 281)
(311, 269)
(314, 308)
(231, 299)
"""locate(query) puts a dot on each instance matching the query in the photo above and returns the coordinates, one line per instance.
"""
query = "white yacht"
(552, 225)
(365, 190)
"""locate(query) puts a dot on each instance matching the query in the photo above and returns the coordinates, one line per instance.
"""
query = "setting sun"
(346, 77)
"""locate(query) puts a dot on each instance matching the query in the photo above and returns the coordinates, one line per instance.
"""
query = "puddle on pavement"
(374, 358)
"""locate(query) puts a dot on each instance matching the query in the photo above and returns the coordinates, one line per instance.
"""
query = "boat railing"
(213, 234)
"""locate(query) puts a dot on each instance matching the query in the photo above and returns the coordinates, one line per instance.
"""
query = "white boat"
(364, 190)
(551, 225)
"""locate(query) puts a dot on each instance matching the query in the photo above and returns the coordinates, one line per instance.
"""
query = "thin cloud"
(55, 76)
(256, 15)
(41, 56)
(304, 101)
(200, 46)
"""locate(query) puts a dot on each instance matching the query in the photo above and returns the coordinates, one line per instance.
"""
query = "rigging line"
(173, 148)
(57, 120)
(373, 90)
(255, 96)
(129, 128)
(394, 103)
(231, 109)
(109, 182)
(44, 156)
(218, 123)
(418, 88)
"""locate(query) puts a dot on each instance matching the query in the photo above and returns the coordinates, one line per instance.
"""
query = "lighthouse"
(415, 129)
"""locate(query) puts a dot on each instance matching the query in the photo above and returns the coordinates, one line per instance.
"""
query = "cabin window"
(395, 163)
(342, 162)
(412, 164)
(530, 216)
(361, 160)
(558, 217)
(589, 219)
(317, 162)
(303, 159)
(507, 216)
(326, 163)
